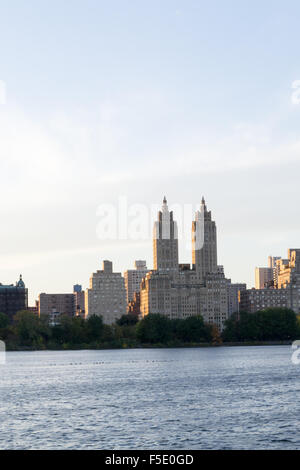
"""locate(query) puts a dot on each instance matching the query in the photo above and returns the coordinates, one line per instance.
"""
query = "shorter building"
(233, 297)
(267, 276)
(264, 277)
(63, 304)
(79, 300)
(13, 298)
(54, 318)
(35, 309)
(272, 260)
(134, 306)
(106, 296)
(285, 292)
(253, 300)
(133, 279)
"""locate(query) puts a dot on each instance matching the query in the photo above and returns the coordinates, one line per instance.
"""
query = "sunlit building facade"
(61, 304)
(133, 279)
(106, 296)
(285, 292)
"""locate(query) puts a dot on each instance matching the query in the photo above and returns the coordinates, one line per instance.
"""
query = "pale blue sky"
(142, 99)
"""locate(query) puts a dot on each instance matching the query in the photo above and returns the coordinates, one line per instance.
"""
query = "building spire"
(203, 205)
(165, 209)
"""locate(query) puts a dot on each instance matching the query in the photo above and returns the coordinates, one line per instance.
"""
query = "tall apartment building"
(13, 298)
(58, 304)
(176, 290)
(133, 279)
(106, 295)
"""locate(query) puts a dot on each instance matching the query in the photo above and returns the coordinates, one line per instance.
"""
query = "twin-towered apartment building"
(180, 291)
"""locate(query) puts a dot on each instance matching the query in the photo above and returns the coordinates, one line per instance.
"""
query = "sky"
(108, 105)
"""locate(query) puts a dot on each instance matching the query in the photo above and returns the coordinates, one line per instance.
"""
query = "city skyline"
(182, 248)
(152, 99)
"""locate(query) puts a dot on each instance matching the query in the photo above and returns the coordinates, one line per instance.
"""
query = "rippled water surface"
(215, 398)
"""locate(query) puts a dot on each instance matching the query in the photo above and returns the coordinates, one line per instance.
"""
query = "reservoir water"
(199, 398)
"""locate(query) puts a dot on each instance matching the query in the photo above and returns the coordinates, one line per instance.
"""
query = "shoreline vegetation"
(27, 332)
(158, 346)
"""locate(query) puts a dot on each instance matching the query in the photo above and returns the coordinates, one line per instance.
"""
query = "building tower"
(165, 241)
(204, 243)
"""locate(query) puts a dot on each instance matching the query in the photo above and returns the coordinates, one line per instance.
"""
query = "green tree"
(127, 320)
(108, 333)
(94, 328)
(193, 329)
(249, 328)
(71, 331)
(154, 328)
(278, 324)
(4, 320)
(29, 329)
(230, 332)
(266, 325)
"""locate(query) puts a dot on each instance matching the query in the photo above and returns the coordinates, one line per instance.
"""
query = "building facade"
(234, 296)
(13, 298)
(133, 279)
(272, 260)
(106, 296)
(134, 306)
(264, 277)
(60, 304)
(79, 301)
(253, 300)
(285, 293)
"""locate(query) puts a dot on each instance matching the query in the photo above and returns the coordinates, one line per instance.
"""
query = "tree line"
(271, 324)
(28, 331)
